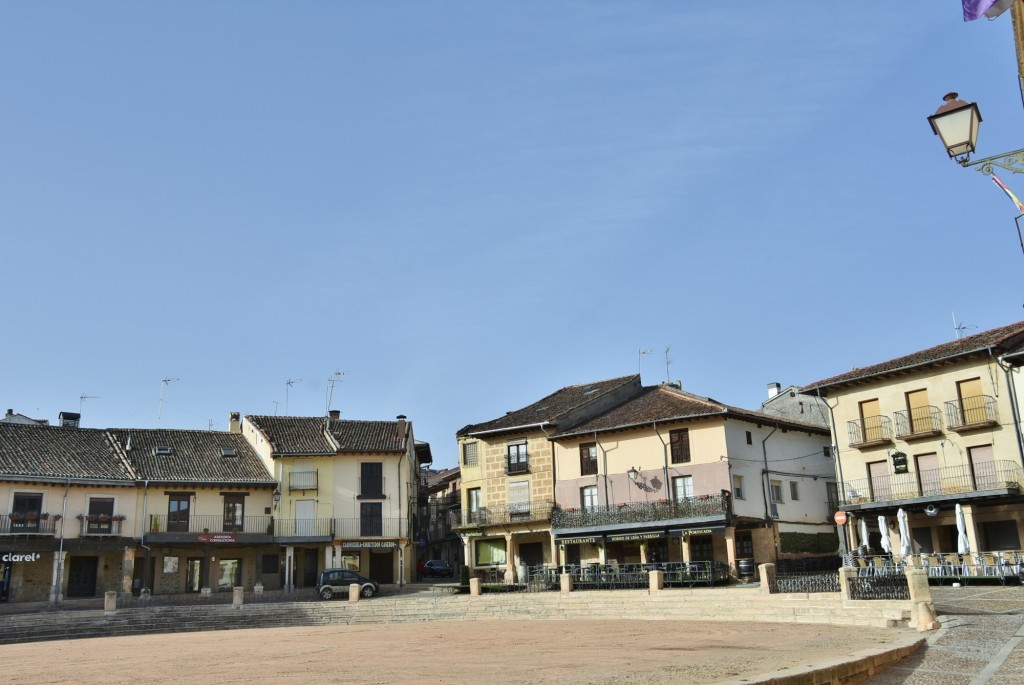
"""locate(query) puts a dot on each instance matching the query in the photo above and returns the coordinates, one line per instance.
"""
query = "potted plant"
(118, 517)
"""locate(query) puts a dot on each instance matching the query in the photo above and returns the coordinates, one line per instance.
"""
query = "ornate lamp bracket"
(1011, 161)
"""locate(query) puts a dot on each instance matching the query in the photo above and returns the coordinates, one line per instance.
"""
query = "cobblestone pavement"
(981, 640)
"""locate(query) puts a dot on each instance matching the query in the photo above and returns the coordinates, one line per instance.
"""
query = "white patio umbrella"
(963, 545)
(863, 532)
(883, 528)
(905, 546)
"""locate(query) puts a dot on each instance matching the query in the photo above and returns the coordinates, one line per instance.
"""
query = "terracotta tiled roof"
(1000, 340)
(551, 407)
(195, 456)
(665, 404)
(306, 435)
(53, 452)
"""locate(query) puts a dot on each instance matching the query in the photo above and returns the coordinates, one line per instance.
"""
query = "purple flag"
(976, 9)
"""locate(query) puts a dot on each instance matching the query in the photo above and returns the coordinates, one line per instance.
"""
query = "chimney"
(335, 414)
(69, 419)
(403, 430)
(235, 422)
(773, 389)
(10, 412)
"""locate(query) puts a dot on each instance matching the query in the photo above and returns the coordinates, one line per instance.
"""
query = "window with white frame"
(519, 497)
(682, 487)
(588, 497)
(794, 493)
(776, 491)
(737, 486)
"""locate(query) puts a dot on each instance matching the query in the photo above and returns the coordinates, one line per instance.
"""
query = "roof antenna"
(668, 376)
(275, 406)
(960, 328)
(639, 358)
(287, 386)
(160, 408)
(335, 378)
(82, 398)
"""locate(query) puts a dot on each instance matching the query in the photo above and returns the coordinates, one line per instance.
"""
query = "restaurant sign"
(713, 530)
(591, 540)
(632, 537)
(216, 537)
(369, 544)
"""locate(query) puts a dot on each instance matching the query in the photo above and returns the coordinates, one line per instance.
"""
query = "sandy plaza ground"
(479, 653)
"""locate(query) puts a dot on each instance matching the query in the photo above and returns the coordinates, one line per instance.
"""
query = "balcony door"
(177, 512)
(983, 467)
(871, 420)
(972, 403)
(101, 514)
(371, 522)
(305, 517)
(919, 412)
(928, 479)
(881, 488)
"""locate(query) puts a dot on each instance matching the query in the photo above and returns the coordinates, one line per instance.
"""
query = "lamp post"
(957, 122)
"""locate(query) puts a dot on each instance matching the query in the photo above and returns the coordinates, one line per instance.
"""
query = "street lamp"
(956, 123)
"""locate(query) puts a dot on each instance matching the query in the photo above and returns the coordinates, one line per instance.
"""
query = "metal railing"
(97, 526)
(534, 510)
(989, 475)
(220, 596)
(640, 512)
(28, 524)
(869, 430)
(806, 581)
(885, 587)
(980, 410)
(370, 527)
(924, 420)
(163, 523)
(304, 480)
(515, 466)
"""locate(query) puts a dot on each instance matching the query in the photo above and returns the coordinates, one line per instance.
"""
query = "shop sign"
(11, 557)
(632, 537)
(216, 537)
(713, 530)
(592, 540)
(471, 532)
(369, 544)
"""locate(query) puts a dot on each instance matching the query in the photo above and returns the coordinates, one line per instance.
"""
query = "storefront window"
(490, 552)
(230, 574)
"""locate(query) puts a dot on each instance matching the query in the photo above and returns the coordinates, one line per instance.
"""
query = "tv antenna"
(335, 378)
(668, 362)
(82, 398)
(288, 386)
(959, 328)
(275, 406)
(639, 359)
(160, 408)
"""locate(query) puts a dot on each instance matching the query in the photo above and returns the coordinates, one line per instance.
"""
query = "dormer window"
(228, 452)
(162, 451)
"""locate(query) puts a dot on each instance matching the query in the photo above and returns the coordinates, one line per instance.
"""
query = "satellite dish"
(931, 510)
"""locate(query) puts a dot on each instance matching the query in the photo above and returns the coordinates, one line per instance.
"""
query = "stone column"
(643, 552)
(289, 568)
(109, 603)
(353, 592)
(730, 549)
(509, 558)
(57, 581)
(127, 570)
(328, 557)
(237, 597)
(767, 577)
(474, 587)
(845, 574)
(684, 547)
(972, 529)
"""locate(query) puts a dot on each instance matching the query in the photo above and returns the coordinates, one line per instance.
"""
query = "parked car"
(335, 581)
(435, 568)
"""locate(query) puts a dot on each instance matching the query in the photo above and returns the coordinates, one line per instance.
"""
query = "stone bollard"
(565, 583)
(845, 574)
(109, 603)
(926, 618)
(474, 587)
(353, 592)
(767, 572)
(206, 592)
(237, 597)
(921, 596)
(657, 580)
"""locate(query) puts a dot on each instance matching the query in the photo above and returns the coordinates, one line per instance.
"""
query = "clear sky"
(465, 206)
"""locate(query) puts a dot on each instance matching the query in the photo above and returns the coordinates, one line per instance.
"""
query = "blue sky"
(465, 206)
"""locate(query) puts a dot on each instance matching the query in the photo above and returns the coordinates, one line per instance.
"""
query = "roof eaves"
(511, 429)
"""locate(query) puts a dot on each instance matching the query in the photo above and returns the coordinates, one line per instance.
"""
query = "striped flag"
(1020, 205)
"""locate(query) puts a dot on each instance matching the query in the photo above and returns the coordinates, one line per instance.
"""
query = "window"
(177, 512)
(750, 438)
(793, 492)
(371, 481)
(682, 487)
(588, 459)
(588, 497)
(680, 445)
(737, 487)
(371, 521)
(271, 563)
(517, 457)
(230, 574)
(234, 512)
(473, 504)
(519, 497)
(101, 513)
(776, 491)
(469, 456)
(490, 552)
(27, 507)
(826, 451)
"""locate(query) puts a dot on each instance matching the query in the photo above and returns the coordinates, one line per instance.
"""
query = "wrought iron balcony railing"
(535, 510)
(515, 466)
(163, 523)
(303, 480)
(100, 525)
(702, 506)
(972, 412)
(369, 527)
(991, 475)
(17, 523)
(918, 422)
(870, 430)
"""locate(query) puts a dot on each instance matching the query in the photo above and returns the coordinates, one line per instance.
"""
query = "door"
(194, 574)
(310, 559)
(881, 489)
(919, 412)
(928, 474)
(531, 554)
(871, 420)
(371, 521)
(972, 402)
(305, 518)
(82, 576)
(983, 467)
(382, 567)
(177, 513)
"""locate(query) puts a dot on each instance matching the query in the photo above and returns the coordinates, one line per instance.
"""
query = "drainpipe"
(664, 454)
(1012, 387)
(142, 537)
(764, 493)
(59, 571)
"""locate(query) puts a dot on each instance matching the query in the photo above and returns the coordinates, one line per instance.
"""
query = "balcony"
(177, 528)
(870, 431)
(17, 523)
(952, 482)
(969, 413)
(369, 527)
(703, 506)
(516, 466)
(100, 525)
(919, 422)
(303, 480)
(522, 512)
